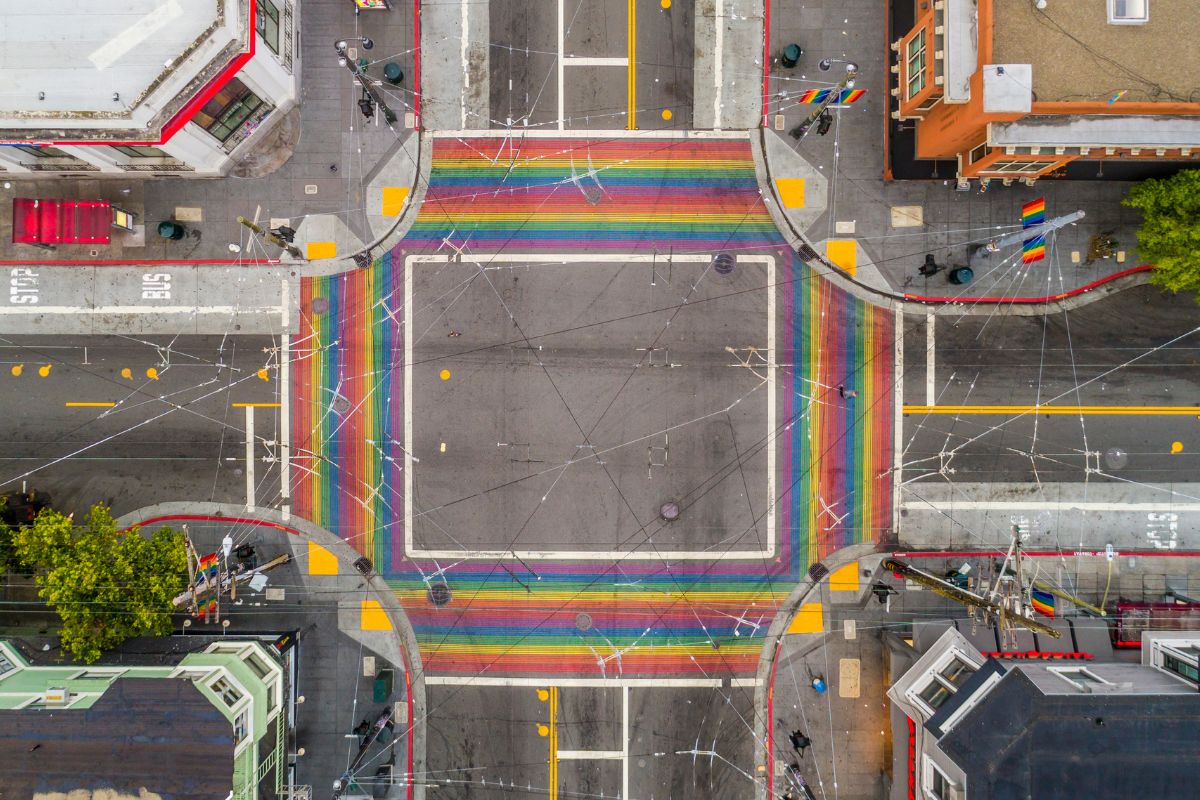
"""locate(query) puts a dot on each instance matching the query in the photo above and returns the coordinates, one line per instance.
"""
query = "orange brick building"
(1014, 91)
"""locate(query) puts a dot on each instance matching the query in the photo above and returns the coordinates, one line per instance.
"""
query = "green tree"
(106, 585)
(1170, 234)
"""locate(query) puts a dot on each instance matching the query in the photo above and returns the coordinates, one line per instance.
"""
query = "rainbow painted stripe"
(694, 617)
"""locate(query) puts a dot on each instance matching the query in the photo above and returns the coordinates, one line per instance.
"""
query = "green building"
(211, 726)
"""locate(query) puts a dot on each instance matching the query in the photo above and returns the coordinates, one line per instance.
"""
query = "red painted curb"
(766, 60)
(1050, 298)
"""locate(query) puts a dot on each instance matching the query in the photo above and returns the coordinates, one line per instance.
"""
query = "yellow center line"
(632, 66)
(89, 405)
(1076, 410)
(256, 405)
(553, 743)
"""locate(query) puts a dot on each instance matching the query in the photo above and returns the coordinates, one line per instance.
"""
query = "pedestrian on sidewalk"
(799, 741)
(845, 393)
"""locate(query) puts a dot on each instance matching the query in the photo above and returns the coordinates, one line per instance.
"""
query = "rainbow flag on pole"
(845, 97)
(1033, 213)
(1042, 602)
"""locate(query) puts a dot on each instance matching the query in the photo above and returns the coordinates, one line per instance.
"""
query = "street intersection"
(591, 413)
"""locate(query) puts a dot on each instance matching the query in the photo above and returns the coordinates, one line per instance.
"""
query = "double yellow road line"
(631, 89)
(1128, 411)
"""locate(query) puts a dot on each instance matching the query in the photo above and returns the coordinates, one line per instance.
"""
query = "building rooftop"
(1019, 742)
(154, 734)
(1078, 56)
(62, 64)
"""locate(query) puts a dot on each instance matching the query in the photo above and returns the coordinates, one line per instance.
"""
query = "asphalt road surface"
(131, 421)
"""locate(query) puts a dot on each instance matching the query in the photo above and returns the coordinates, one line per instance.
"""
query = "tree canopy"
(1169, 237)
(106, 585)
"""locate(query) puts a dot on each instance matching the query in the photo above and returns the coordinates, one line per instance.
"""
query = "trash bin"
(171, 230)
(960, 275)
(382, 690)
(791, 54)
(392, 73)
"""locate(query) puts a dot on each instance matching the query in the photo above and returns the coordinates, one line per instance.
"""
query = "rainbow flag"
(845, 97)
(1033, 213)
(1042, 602)
(207, 610)
(1034, 250)
(208, 568)
(1117, 96)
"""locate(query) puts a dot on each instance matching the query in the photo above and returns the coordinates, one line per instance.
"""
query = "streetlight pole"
(847, 82)
(351, 64)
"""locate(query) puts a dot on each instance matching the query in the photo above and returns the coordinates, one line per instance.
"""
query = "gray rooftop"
(1020, 743)
(160, 735)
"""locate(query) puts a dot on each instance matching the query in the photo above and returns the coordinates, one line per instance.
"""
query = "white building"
(167, 87)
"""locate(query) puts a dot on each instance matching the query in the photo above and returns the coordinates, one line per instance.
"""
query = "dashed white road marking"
(930, 390)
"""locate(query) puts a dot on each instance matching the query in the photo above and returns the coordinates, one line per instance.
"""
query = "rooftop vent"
(1128, 12)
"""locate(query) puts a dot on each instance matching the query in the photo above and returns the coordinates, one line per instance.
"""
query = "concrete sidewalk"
(340, 181)
(880, 232)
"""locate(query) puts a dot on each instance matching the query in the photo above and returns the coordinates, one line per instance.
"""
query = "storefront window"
(229, 109)
(42, 152)
(266, 22)
(139, 151)
(916, 64)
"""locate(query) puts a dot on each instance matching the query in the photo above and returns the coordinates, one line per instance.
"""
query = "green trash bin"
(171, 230)
(392, 73)
(384, 681)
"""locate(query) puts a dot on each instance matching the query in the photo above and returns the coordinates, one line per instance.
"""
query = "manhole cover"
(439, 594)
(340, 404)
(583, 621)
(320, 305)
(1116, 458)
(669, 511)
(723, 264)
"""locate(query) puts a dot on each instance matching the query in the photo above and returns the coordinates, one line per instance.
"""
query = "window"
(1128, 12)
(257, 666)
(98, 674)
(1079, 677)
(915, 64)
(1181, 668)
(977, 153)
(1017, 166)
(5, 664)
(937, 785)
(241, 727)
(226, 691)
(229, 109)
(42, 152)
(266, 22)
(139, 151)
(945, 681)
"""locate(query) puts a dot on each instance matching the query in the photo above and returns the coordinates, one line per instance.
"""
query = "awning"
(41, 221)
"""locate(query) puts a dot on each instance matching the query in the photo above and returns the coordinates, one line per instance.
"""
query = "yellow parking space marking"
(844, 579)
(44, 370)
(1093, 410)
(849, 672)
(791, 192)
(843, 253)
(256, 405)
(152, 374)
(374, 618)
(319, 250)
(89, 405)
(321, 561)
(809, 619)
(1176, 447)
(17, 369)
(127, 373)
(393, 200)
(263, 375)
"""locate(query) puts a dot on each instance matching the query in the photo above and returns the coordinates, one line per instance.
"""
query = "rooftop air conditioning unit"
(56, 697)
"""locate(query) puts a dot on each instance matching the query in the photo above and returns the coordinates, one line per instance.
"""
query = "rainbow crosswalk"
(634, 618)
